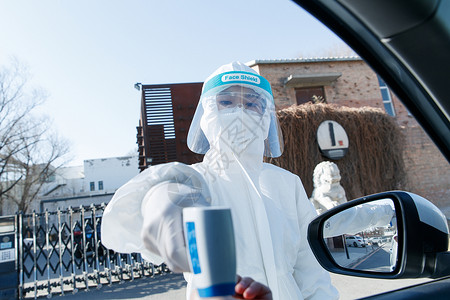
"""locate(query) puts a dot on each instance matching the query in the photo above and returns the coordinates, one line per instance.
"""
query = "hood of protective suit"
(246, 130)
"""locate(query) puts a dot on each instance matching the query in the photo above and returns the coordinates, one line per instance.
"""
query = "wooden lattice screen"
(166, 114)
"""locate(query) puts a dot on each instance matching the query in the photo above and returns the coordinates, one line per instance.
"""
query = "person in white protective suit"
(234, 126)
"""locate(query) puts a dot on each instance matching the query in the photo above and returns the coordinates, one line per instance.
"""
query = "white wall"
(73, 183)
(68, 181)
(113, 172)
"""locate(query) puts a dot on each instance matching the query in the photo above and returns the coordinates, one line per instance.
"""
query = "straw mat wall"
(374, 161)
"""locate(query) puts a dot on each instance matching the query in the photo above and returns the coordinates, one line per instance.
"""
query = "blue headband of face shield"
(236, 78)
(197, 141)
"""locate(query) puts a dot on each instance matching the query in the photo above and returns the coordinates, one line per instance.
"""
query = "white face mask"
(235, 130)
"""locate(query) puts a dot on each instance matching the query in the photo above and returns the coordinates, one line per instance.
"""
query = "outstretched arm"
(358, 218)
(134, 209)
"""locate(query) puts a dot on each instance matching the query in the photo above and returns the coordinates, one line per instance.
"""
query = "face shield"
(237, 107)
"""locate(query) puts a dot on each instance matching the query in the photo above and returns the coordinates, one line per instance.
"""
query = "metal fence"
(61, 252)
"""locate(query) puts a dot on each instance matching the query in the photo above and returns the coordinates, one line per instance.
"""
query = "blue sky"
(88, 54)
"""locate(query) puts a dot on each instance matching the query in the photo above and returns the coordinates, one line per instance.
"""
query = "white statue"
(328, 191)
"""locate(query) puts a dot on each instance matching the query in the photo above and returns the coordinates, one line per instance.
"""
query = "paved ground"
(165, 287)
(355, 254)
(350, 287)
(173, 287)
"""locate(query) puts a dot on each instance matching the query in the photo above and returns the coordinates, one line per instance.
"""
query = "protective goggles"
(249, 101)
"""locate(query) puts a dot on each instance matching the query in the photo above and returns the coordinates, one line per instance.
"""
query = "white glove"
(162, 230)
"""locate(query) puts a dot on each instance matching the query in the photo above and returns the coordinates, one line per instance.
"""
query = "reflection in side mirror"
(386, 235)
(364, 237)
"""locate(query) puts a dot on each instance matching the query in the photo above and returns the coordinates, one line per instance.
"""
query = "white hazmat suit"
(234, 125)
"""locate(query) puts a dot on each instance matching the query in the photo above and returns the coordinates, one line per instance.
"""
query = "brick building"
(351, 82)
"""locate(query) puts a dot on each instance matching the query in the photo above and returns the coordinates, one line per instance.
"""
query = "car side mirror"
(387, 235)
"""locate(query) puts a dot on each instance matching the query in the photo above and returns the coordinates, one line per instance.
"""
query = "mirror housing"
(423, 238)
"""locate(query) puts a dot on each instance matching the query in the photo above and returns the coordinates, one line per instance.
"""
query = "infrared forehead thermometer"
(211, 249)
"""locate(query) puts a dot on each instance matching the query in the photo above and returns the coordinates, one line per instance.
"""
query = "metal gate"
(61, 252)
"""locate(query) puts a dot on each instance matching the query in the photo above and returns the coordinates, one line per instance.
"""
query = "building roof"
(302, 60)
